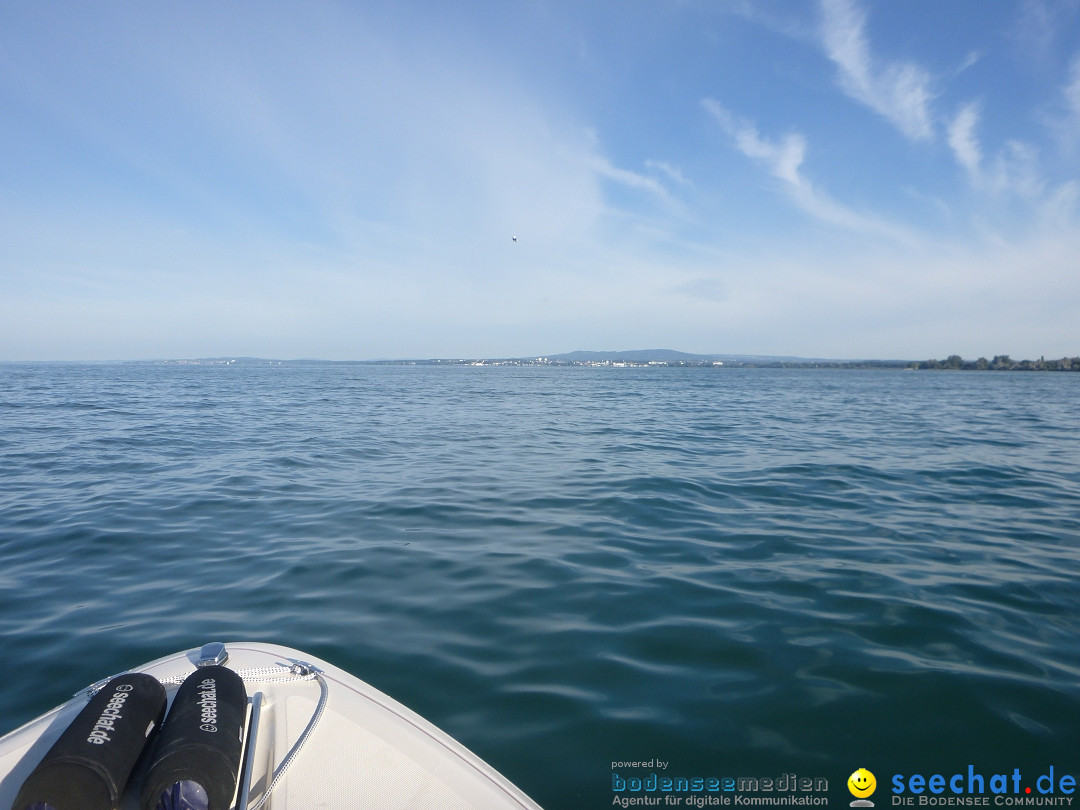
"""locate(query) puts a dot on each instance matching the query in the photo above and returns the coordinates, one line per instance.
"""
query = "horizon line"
(672, 355)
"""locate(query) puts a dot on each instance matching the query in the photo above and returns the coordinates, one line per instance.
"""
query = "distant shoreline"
(647, 359)
(598, 360)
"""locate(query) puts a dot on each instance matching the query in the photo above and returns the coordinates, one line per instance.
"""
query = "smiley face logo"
(861, 783)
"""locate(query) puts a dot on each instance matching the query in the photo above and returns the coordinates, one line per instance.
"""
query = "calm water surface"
(737, 571)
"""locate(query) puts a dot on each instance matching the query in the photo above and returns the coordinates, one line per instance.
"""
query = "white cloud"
(1071, 93)
(970, 60)
(1013, 171)
(1059, 210)
(784, 160)
(962, 139)
(604, 168)
(1072, 89)
(1061, 114)
(673, 173)
(899, 91)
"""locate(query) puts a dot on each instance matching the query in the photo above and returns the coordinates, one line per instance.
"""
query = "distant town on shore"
(670, 358)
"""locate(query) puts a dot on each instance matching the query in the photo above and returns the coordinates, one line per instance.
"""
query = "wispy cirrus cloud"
(1072, 89)
(963, 141)
(1014, 170)
(1071, 98)
(970, 60)
(673, 173)
(899, 91)
(784, 159)
(631, 179)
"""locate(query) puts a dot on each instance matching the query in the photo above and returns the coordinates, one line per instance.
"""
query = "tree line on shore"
(1001, 362)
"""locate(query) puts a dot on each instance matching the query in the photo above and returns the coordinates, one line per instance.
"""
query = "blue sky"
(841, 178)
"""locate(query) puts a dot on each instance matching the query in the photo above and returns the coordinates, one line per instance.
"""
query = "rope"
(275, 674)
(285, 763)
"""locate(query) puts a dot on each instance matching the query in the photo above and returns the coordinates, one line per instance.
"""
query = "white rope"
(274, 674)
(280, 674)
(285, 763)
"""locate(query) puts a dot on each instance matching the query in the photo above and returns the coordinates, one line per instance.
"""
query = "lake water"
(738, 572)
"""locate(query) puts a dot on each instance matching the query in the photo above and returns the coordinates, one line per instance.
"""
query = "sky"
(343, 180)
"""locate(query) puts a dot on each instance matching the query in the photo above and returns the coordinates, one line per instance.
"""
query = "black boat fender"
(196, 759)
(88, 767)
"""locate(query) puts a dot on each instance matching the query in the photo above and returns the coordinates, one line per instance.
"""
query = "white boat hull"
(365, 750)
